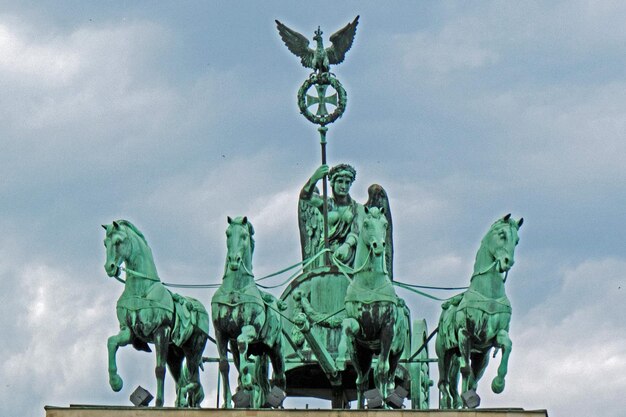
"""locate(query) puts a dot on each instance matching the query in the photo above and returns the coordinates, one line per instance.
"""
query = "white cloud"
(50, 63)
(61, 336)
(452, 49)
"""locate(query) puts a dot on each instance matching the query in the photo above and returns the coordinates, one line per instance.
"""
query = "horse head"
(239, 244)
(374, 230)
(501, 240)
(118, 247)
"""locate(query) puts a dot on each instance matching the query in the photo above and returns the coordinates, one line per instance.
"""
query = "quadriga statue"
(477, 320)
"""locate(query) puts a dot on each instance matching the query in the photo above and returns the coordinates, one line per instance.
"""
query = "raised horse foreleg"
(123, 338)
(504, 342)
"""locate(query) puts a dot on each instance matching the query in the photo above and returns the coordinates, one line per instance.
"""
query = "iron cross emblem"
(321, 100)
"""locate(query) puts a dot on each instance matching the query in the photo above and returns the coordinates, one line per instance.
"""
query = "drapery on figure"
(345, 216)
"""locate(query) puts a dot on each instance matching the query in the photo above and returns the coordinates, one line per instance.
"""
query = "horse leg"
(443, 364)
(278, 365)
(161, 343)
(382, 376)
(480, 360)
(350, 329)
(503, 340)
(123, 338)
(453, 378)
(234, 350)
(247, 336)
(464, 357)
(222, 349)
(174, 364)
(362, 362)
(193, 359)
(261, 387)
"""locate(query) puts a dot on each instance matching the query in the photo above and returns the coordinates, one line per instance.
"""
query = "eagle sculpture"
(319, 59)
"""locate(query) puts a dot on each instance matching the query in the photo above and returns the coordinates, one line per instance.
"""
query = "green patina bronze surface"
(376, 323)
(345, 216)
(477, 320)
(319, 59)
(149, 313)
(247, 320)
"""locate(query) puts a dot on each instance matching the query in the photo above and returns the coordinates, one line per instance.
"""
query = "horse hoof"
(497, 385)
(116, 382)
(470, 399)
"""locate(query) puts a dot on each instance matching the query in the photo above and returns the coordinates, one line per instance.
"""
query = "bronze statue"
(474, 322)
(344, 216)
(149, 313)
(377, 321)
(319, 59)
(246, 319)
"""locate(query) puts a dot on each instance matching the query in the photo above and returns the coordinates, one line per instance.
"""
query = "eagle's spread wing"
(297, 43)
(342, 41)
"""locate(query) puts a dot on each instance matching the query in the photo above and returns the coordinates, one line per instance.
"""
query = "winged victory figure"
(319, 59)
(345, 216)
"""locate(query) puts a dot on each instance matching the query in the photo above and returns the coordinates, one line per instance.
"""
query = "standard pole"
(323, 130)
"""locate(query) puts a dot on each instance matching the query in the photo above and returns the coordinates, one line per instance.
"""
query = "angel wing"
(297, 43)
(311, 225)
(342, 42)
(378, 198)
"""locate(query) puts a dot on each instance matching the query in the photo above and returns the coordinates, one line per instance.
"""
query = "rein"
(493, 264)
(346, 269)
(342, 267)
(303, 265)
(487, 269)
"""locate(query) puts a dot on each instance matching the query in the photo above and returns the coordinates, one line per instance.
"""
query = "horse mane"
(133, 228)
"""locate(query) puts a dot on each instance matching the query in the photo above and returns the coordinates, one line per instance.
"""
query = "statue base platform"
(110, 411)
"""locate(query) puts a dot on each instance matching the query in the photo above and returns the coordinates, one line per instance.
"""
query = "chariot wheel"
(419, 369)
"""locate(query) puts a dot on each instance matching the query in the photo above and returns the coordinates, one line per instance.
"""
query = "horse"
(246, 319)
(376, 321)
(477, 320)
(149, 313)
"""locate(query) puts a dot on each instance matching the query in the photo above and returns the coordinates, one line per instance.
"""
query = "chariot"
(312, 350)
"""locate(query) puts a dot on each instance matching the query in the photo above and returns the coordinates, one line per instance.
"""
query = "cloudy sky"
(177, 114)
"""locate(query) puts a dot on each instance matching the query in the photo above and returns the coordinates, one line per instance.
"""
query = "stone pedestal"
(104, 411)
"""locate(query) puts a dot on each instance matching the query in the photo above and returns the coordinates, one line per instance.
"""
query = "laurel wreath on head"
(322, 79)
